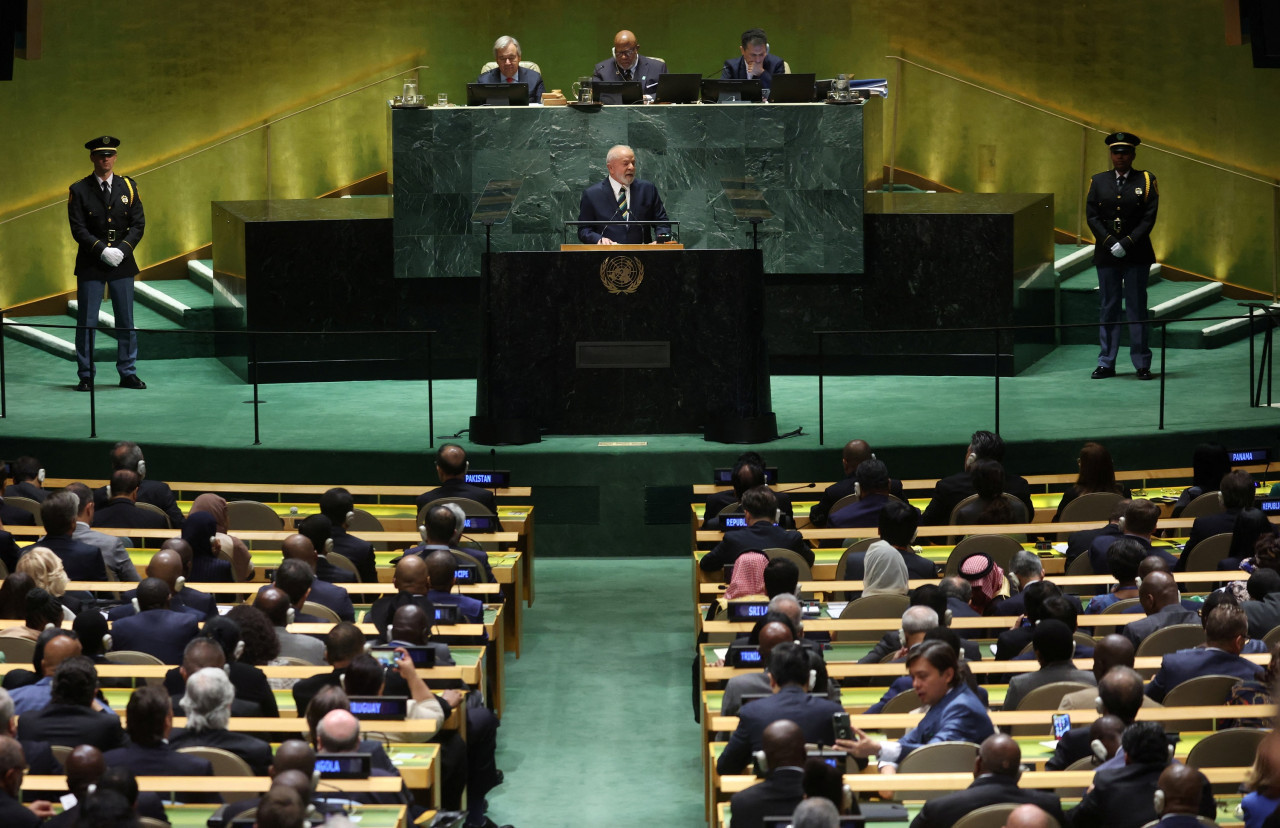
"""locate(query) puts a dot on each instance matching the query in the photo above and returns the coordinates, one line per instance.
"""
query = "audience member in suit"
(757, 683)
(338, 506)
(300, 548)
(165, 565)
(87, 768)
(958, 593)
(150, 720)
(39, 757)
(1226, 629)
(783, 786)
(1123, 796)
(853, 454)
(343, 643)
(755, 63)
(28, 480)
(319, 530)
(748, 472)
(40, 609)
(53, 647)
(189, 596)
(121, 511)
(115, 552)
(1124, 558)
(82, 561)
(990, 506)
(618, 200)
(760, 508)
(412, 583)
(207, 702)
(930, 596)
(451, 468)
(789, 676)
(440, 577)
(506, 51)
(902, 684)
(1138, 522)
(292, 765)
(128, 456)
(339, 732)
(1096, 474)
(949, 491)
(916, 621)
(14, 515)
(1054, 649)
(1012, 642)
(1237, 492)
(628, 64)
(73, 716)
(8, 550)
(12, 767)
(1025, 569)
(955, 713)
(1162, 603)
(295, 579)
(156, 629)
(248, 641)
(275, 603)
(875, 489)
(204, 653)
(1252, 528)
(1179, 798)
(223, 541)
(1079, 543)
(1112, 650)
(995, 781)
(1120, 695)
(443, 525)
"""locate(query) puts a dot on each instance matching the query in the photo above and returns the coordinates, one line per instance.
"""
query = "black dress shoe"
(132, 381)
(1102, 372)
(1145, 374)
(85, 385)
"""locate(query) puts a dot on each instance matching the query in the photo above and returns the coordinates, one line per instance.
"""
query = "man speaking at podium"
(620, 198)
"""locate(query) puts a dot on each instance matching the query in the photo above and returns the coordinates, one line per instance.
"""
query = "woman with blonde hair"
(47, 572)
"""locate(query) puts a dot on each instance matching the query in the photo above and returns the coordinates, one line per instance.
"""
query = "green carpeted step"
(59, 342)
(152, 343)
(182, 301)
(1211, 334)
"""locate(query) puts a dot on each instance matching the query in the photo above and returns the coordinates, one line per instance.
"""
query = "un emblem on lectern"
(621, 274)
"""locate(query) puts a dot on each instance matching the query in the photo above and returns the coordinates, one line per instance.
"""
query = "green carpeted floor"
(598, 727)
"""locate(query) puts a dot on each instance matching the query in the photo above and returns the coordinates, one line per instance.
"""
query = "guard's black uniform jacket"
(95, 224)
(1135, 209)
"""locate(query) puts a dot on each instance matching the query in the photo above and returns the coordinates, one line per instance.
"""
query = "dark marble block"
(806, 158)
(682, 349)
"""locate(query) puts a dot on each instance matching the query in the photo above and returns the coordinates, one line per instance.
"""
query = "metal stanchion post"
(1164, 339)
(1251, 331)
(4, 405)
(253, 368)
(996, 354)
(821, 372)
(431, 396)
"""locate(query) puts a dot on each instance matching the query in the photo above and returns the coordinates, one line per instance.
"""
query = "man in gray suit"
(1054, 647)
(115, 552)
(771, 635)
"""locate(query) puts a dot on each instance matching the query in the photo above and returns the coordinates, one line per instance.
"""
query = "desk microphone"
(796, 488)
(493, 474)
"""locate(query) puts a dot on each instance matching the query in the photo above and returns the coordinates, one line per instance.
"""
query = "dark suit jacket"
(864, 513)
(195, 599)
(459, 488)
(148, 805)
(1121, 798)
(599, 204)
(1206, 527)
(26, 489)
(162, 760)
(736, 69)
(812, 715)
(1176, 668)
(334, 597)
(951, 490)
(1172, 614)
(946, 810)
(761, 535)
(842, 488)
(646, 67)
(254, 751)
(359, 552)
(1101, 544)
(81, 561)
(1017, 604)
(89, 212)
(126, 609)
(155, 492)
(305, 690)
(13, 516)
(526, 76)
(40, 758)
(326, 571)
(778, 795)
(123, 513)
(717, 501)
(1079, 542)
(1135, 206)
(250, 684)
(8, 550)
(71, 724)
(14, 813)
(162, 633)
(472, 609)
(1072, 747)
(1012, 642)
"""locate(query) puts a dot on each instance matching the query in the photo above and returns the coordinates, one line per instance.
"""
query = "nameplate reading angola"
(621, 274)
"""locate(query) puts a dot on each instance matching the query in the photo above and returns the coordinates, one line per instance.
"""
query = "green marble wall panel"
(806, 158)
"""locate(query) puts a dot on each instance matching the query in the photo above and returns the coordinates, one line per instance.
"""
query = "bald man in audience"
(339, 732)
(300, 548)
(194, 598)
(1183, 791)
(412, 585)
(276, 604)
(1112, 650)
(995, 781)
(1029, 816)
(342, 643)
(783, 786)
(56, 650)
(771, 635)
(156, 629)
(281, 807)
(1162, 603)
(86, 766)
(167, 566)
(292, 765)
(851, 456)
(319, 530)
(1119, 694)
(451, 467)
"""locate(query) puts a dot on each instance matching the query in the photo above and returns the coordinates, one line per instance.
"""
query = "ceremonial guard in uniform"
(1121, 210)
(106, 219)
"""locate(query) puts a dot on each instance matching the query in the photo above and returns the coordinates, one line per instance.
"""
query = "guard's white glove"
(1117, 250)
(113, 256)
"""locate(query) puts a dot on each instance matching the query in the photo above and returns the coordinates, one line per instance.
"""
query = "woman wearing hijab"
(884, 571)
(987, 579)
(216, 507)
(201, 531)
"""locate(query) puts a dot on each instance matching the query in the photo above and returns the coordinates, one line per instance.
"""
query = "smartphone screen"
(1061, 724)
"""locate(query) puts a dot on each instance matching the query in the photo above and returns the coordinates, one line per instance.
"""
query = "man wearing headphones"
(27, 480)
(748, 472)
(155, 628)
(852, 456)
(1179, 797)
(50, 652)
(279, 609)
(167, 566)
(81, 561)
(995, 781)
(1139, 522)
(950, 490)
(1119, 694)
(319, 530)
(783, 758)
(441, 529)
(791, 676)
(127, 455)
(339, 507)
(1054, 648)
(875, 490)
(897, 522)
(115, 553)
(451, 466)
(121, 511)
(1236, 491)
(1162, 603)
(300, 548)
(760, 507)
(771, 635)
